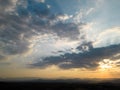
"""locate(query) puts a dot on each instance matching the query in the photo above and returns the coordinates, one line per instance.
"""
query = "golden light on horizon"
(106, 64)
(107, 69)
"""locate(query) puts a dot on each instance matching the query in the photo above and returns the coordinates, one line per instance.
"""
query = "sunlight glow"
(106, 64)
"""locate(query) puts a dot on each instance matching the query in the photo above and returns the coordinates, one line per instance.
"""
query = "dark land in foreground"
(60, 85)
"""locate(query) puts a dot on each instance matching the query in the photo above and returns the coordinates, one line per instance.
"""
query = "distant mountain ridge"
(76, 80)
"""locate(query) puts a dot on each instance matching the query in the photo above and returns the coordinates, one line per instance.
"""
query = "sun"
(106, 64)
(107, 68)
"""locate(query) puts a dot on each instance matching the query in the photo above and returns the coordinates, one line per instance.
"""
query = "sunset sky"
(59, 39)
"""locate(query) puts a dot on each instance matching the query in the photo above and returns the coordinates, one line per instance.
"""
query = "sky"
(59, 39)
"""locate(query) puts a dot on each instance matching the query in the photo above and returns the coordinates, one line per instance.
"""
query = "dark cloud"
(11, 29)
(33, 8)
(88, 59)
(115, 57)
(64, 30)
(2, 57)
(28, 18)
(14, 30)
(4, 4)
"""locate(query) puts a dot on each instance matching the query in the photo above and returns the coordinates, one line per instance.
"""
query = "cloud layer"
(27, 19)
(60, 37)
(89, 59)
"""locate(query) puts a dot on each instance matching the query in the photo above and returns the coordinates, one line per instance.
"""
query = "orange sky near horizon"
(53, 72)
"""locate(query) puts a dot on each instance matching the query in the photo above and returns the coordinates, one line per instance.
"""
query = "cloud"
(14, 28)
(116, 57)
(63, 17)
(108, 37)
(41, 1)
(90, 11)
(2, 57)
(4, 4)
(89, 59)
(7, 5)
(24, 26)
(40, 31)
(28, 19)
(67, 30)
(50, 45)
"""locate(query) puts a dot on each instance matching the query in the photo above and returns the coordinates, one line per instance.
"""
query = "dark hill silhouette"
(61, 84)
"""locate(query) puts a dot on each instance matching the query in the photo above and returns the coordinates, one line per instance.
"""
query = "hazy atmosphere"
(59, 39)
